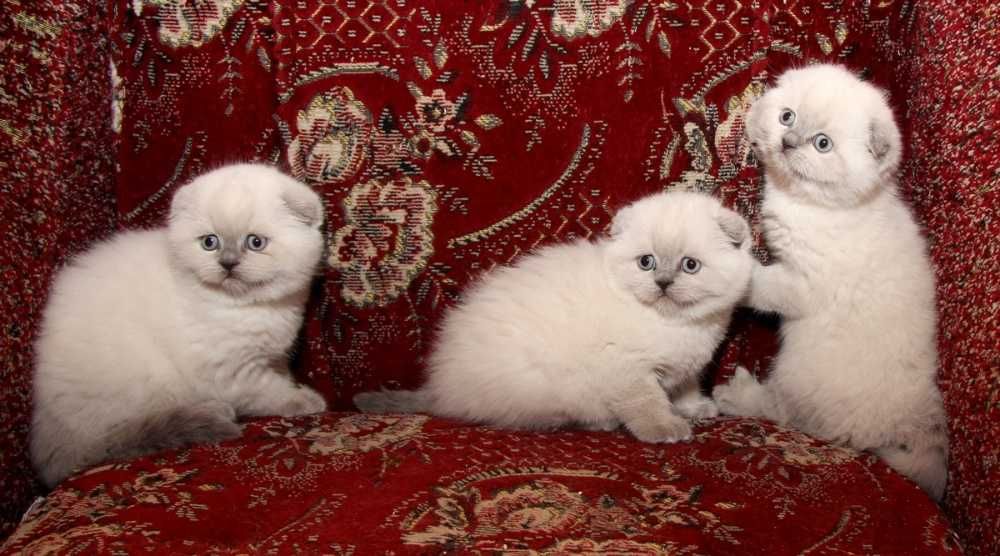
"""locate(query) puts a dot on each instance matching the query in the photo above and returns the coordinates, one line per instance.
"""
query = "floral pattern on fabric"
(387, 240)
(334, 131)
(573, 19)
(410, 484)
(190, 23)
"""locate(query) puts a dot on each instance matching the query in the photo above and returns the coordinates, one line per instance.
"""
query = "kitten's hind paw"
(303, 401)
(741, 396)
(660, 430)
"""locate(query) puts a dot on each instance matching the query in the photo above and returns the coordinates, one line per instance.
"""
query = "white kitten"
(161, 338)
(592, 334)
(851, 278)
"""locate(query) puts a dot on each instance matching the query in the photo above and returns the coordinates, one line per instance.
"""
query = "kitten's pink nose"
(663, 284)
(229, 264)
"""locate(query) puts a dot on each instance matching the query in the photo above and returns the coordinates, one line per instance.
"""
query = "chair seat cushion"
(364, 484)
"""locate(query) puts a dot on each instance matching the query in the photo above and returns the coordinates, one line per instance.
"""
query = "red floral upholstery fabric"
(953, 178)
(56, 191)
(448, 137)
(354, 483)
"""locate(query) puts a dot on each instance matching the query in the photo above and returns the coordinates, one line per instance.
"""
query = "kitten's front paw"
(660, 430)
(777, 235)
(697, 409)
(304, 401)
(740, 396)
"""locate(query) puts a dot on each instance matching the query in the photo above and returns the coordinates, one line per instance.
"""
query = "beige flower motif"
(698, 176)
(363, 433)
(574, 19)
(731, 143)
(334, 131)
(539, 506)
(613, 546)
(191, 23)
(435, 111)
(423, 144)
(387, 239)
(801, 452)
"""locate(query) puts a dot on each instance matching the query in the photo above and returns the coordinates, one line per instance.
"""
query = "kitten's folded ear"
(735, 227)
(304, 204)
(621, 219)
(884, 142)
(181, 201)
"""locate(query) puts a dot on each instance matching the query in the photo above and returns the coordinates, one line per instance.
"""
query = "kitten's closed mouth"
(681, 302)
(233, 280)
(669, 298)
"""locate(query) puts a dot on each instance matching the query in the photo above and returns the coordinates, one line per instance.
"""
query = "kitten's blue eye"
(786, 117)
(256, 243)
(210, 242)
(647, 262)
(823, 143)
(690, 265)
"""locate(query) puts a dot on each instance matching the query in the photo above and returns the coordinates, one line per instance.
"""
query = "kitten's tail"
(57, 455)
(393, 401)
(204, 423)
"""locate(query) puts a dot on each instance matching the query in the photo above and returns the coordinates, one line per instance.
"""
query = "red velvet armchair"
(448, 137)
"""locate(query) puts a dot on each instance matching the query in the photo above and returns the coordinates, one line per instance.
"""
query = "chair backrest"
(945, 74)
(56, 192)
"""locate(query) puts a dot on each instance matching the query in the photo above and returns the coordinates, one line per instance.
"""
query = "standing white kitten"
(161, 338)
(594, 334)
(851, 278)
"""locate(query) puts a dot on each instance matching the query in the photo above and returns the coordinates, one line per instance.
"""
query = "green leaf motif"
(414, 90)
(422, 67)
(664, 43)
(440, 55)
(470, 139)
(488, 121)
(841, 32)
(824, 43)
(543, 64)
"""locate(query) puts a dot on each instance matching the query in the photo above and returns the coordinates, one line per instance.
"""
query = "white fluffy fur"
(578, 334)
(851, 278)
(147, 342)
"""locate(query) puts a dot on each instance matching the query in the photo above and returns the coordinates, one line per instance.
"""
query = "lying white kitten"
(592, 334)
(852, 278)
(161, 338)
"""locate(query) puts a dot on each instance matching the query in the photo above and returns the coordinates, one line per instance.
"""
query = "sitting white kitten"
(161, 338)
(593, 334)
(851, 278)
